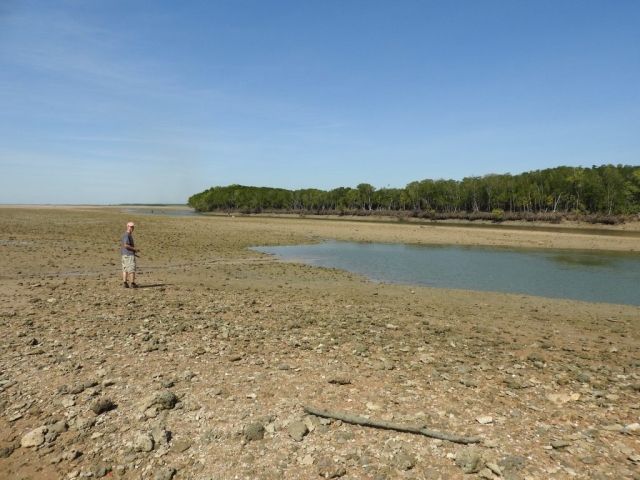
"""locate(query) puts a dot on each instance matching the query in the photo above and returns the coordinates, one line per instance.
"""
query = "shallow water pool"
(609, 277)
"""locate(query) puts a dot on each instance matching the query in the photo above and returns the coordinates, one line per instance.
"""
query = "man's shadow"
(155, 285)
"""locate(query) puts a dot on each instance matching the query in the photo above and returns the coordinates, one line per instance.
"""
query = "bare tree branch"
(368, 422)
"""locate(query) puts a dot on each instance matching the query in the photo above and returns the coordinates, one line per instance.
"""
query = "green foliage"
(599, 191)
(497, 214)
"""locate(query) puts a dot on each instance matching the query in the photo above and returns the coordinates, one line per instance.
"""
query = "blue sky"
(108, 102)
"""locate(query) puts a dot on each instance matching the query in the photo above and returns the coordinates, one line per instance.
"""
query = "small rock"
(584, 377)
(101, 405)
(84, 423)
(50, 436)
(360, 348)
(15, 417)
(535, 357)
(494, 468)
(151, 412)
(514, 384)
(485, 419)
(513, 463)
(166, 399)
(340, 381)
(71, 454)
(469, 460)
(100, 471)
(557, 444)
(59, 427)
(469, 382)
(143, 443)
(431, 474)
(632, 429)
(560, 399)
(166, 473)
(160, 436)
(404, 460)
(297, 430)
(34, 438)
(486, 474)
(76, 388)
(345, 436)
(180, 446)
(199, 351)
(254, 431)
(327, 468)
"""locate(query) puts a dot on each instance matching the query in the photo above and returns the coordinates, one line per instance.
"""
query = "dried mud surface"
(203, 372)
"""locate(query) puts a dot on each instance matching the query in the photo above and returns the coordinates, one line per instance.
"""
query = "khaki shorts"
(129, 263)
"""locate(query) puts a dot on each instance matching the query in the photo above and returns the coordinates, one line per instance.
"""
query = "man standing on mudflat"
(128, 252)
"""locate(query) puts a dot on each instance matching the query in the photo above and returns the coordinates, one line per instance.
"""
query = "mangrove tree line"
(601, 191)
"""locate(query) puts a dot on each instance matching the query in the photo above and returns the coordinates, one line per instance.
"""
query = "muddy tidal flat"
(205, 371)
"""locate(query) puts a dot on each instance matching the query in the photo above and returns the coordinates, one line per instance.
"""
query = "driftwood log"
(368, 422)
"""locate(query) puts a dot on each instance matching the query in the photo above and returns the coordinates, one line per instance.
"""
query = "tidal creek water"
(608, 277)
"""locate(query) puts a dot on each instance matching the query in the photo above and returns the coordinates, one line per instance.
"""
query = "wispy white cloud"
(55, 42)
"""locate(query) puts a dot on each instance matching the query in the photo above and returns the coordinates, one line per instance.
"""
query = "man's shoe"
(134, 285)
(126, 285)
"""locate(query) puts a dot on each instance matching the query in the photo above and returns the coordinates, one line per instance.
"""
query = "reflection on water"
(589, 276)
(582, 259)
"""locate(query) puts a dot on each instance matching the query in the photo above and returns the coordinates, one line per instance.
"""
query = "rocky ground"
(204, 371)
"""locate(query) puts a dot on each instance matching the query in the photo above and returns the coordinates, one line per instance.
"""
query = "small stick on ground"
(368, 422)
